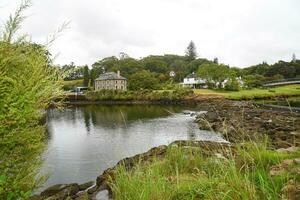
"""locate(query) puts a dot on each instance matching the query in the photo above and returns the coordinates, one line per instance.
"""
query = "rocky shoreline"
(244, 120)
(238, 121)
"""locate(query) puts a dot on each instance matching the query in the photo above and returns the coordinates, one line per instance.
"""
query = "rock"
(86, 185)
(296, 133)
(92, 189)
(186, 112)
(60, 191)
(297, 161)
(82, 196)
(286, 163)
(281, 168)
(220, 156)
(53, 190)
(288, 150)
(291, 191)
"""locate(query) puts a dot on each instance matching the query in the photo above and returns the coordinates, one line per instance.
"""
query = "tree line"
(153, 72)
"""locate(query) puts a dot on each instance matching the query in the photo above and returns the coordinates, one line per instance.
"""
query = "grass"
(68, 85)
(256, 93)
(186, 174)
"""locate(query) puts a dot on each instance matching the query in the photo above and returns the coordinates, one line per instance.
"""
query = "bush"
(28, 83)
(253, 81)
(141, 95)
(232, 85)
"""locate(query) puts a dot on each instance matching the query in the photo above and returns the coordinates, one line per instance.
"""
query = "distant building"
(111, 81)
(193, 81)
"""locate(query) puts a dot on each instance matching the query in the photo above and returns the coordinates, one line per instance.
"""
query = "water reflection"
(84, 141)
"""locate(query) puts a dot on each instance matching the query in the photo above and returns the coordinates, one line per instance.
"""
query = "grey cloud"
(240, 33)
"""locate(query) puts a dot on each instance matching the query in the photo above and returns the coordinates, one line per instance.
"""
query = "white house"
(193, 81)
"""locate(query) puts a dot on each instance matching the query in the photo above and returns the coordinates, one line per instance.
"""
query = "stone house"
(111, 81)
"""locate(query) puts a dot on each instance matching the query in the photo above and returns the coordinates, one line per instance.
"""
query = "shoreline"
(239, 116)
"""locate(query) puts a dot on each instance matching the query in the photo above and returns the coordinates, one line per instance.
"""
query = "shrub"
(232, 85)
(28, 83)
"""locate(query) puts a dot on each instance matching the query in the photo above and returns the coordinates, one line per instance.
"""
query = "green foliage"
(140, 95)
(214, 74)
(285, 69)
(86, 76)
(253, 81)
(185, 173)
(71, 84)
(191, 52)
(143, 80)
(282, 91)
(232, 85)
(28, 83)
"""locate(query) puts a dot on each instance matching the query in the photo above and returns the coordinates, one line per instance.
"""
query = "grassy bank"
(256, 93)
(141, 95)
(185, 173)
(70, 84)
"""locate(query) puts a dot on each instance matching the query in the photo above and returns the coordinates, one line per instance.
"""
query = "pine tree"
(294, 59)
(86, 76)
(191, 52)
(216, 60)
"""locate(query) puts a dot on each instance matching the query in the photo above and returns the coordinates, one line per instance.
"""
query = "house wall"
(111, 85)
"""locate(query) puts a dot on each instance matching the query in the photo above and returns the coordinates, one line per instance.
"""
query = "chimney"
(118, 72)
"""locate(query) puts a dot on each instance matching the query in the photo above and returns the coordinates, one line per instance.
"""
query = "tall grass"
(185, 173)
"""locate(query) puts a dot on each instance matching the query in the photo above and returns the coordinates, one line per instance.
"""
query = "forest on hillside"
(156, 69)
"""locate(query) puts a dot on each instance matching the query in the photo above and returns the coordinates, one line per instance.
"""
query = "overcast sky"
(238, 32)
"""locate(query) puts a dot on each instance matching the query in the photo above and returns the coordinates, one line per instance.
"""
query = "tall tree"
(216, 60)
(191, 52)
(86, 76)
(294, 59)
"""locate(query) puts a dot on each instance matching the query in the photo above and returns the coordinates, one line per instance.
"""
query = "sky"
(238, 32)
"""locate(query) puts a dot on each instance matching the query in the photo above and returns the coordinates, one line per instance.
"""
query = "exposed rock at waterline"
(239, 121)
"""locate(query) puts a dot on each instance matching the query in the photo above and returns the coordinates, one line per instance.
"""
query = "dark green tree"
(143, 80)
(191, 52)
(86, 76)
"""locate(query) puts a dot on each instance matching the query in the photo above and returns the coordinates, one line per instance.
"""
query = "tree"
(294, 59)
(216, 60)
(86, 76)
(213, 74)
(191, 52)
(252, 81)
(143, 80)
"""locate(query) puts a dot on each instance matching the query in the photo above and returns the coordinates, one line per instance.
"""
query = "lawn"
(256, 93)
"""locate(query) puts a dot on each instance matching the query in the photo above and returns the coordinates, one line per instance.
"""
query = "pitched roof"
(193, 75)
(110, 76)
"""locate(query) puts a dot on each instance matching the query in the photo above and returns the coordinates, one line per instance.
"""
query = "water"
(84, 141)
(290, 102)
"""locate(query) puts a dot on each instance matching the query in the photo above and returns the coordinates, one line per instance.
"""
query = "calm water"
(84, 141)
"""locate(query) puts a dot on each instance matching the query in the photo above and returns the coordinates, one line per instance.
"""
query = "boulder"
(86, 185)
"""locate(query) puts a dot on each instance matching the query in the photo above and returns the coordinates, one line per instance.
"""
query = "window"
(116, 87)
